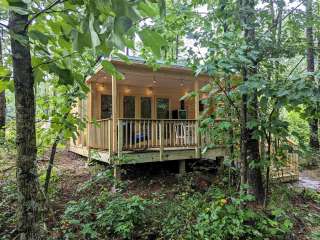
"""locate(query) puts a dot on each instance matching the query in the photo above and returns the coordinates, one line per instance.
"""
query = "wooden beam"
(182, 167)
(197, 116)
(114, 115)
(120, 138)
(90, 118)
(161, 130)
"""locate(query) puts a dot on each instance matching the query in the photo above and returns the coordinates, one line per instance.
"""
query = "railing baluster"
(130, 133)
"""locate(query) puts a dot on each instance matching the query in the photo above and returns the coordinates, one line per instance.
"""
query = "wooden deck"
(151, 140)
(145, 156)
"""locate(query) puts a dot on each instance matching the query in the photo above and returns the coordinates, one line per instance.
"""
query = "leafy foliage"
(188, 215)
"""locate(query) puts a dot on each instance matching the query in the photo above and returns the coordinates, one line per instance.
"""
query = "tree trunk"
(313, 122)
(51, 160)
(2, 97)
(27, 177)
(251, 154)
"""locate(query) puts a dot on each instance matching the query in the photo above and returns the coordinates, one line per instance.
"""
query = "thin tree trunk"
(251, 154)
(50, 166)
(313, 122)
(243, 136)
(177, 48)
(27, 177)
(2, 96)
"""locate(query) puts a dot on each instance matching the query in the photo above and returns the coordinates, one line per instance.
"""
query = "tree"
(250, 157)
(27, 176)
(2, 93)
(314, 121)
(56, 44)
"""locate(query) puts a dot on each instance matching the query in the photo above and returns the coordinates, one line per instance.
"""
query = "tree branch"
(43, 11)
(228, 97)
(54, 60)
(3, 25)
(282, 19)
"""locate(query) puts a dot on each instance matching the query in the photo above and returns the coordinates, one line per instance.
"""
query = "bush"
(186, 214)
(228, 218)
(106, 215)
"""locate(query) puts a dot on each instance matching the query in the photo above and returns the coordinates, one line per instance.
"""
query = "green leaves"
(148, 9)
(65, 75)
(122, 24)
(4, 72)
(94, 36)
(110, 69)
(41, 37)
(153, 40)
(4, 4)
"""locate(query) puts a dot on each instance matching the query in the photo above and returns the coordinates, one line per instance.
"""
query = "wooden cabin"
(142, 117)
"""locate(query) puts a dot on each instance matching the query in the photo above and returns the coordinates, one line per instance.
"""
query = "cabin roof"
(138, 65)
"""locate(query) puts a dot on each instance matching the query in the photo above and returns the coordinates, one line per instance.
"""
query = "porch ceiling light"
(127, 90)
(100, 87)
(154, 80)
(149, 91)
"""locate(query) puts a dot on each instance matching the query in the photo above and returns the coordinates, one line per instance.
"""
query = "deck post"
(182, 167)
(120, 138)
(161, 130)
(114, 114)
(110, 137)
(89, 116)
(196, 116)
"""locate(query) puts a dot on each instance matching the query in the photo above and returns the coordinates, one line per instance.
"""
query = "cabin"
(142, 118)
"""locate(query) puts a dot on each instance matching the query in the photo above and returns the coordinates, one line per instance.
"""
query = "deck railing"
(100, 134)
(151, 133)
(141, 134)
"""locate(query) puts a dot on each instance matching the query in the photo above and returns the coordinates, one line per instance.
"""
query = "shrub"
(106, 215)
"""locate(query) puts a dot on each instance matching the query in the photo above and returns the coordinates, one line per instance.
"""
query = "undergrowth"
(188, 214)
(103, 208)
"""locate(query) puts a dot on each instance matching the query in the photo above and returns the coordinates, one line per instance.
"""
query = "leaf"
(122, 24)
(34, 34)
(4, 85)
(20, 10)
(94, 36)
(4, 4)
(65, 75)
(109, 68)
(4, 71)
(147, 9)
(153, 40)
(104, 6)
(162, 7)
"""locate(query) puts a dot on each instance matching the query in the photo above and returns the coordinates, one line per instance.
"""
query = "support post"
(182, 167)
(196, 116)
(110, 137)
(120, 138)
(90, 117)
(161, 130)
(114, 115)
(117, 172)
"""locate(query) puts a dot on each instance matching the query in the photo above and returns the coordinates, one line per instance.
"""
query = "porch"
(142, 117)
(149, 139)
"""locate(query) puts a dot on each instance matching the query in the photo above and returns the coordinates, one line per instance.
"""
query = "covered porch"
(144, 113)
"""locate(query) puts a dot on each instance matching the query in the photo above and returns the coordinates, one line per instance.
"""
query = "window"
(145, 107)
(162, 108)
(106, 106)
(128, 106)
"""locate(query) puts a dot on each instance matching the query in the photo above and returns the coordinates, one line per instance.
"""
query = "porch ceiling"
(141, 75)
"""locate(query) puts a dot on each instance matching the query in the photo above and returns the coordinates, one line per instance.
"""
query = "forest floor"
(71, 172)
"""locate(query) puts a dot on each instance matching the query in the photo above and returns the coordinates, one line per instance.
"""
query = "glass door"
(163, 108)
